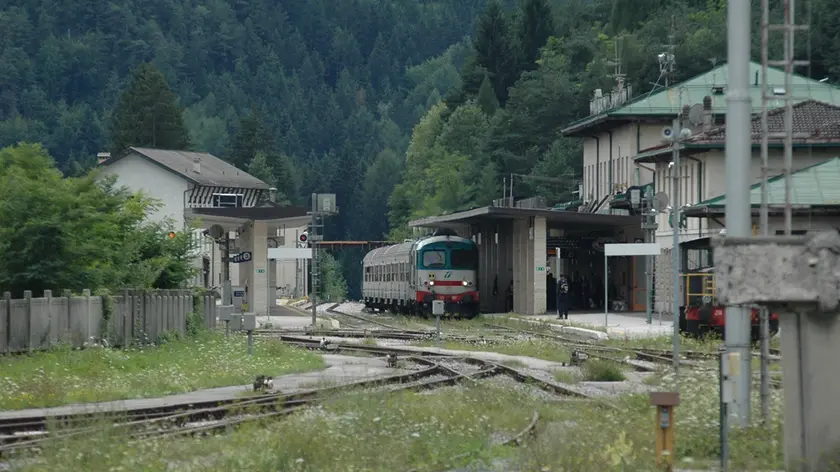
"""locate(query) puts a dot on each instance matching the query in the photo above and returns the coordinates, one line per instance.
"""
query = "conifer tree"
(487, 99)
(148, 115)
(251, 137)
(536, 26)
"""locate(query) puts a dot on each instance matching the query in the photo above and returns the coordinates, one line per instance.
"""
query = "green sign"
(540, 269)
(261, 271)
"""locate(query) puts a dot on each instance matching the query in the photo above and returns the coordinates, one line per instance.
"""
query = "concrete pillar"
(529, 268)
(540, 257)
(272, 282)
(258, 272)
(797, 278)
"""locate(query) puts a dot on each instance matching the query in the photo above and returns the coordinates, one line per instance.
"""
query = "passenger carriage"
(405, 278)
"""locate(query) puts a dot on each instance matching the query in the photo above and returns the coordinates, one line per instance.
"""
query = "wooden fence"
(131, 317)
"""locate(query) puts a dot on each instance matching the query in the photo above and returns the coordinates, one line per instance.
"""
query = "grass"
(349, 433)
(597, 370)
(537, 348)
(63, 376)
(424, 431)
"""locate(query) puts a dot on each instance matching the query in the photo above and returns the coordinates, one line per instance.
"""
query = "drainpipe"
(597, 166)
(699, 191)
(610, 170)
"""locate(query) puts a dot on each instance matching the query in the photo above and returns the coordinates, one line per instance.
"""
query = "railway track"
(203, 418)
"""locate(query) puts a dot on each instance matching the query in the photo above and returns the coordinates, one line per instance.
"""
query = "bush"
(598, 370)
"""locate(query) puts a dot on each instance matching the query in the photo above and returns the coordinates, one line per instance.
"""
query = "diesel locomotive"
(405, 278)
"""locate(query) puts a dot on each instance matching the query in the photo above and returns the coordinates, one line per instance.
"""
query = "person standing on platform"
(562, 298)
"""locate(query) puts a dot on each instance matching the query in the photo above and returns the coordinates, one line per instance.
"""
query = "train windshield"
(464, 259)
(434, 259)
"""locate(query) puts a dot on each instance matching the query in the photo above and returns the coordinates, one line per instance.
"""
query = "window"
(464, 259)
(227, 200)
(795, 232)
(434, 259)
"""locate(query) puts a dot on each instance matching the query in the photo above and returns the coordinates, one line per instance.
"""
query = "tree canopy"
(81, 232)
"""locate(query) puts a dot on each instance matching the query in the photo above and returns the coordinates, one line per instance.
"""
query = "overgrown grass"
(349, 433)
(537, 348)
(706, 344)
(64, 376)
(622, 439)
(597, 370)
(424, 431)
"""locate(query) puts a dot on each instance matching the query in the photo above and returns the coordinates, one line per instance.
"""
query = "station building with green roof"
(624, 147)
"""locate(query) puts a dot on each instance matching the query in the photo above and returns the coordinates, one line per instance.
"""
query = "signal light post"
(323, 204)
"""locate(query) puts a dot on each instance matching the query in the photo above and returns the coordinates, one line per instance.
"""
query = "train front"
(447, 269)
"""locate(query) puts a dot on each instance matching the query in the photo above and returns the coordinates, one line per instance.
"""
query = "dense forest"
(403, 108)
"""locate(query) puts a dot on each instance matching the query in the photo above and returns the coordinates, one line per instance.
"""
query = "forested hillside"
(440, 98)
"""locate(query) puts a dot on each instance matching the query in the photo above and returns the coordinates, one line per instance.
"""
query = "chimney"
(707, 114)
(197, 165)
(102, 157)
(272, 195)
(684, 121)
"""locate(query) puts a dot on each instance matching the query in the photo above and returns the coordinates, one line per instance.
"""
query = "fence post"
(68, 298)
(50, 334)
(27, 295)
(88, 316)
(7, 296)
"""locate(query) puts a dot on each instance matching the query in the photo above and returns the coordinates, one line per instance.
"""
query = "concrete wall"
(29, 323)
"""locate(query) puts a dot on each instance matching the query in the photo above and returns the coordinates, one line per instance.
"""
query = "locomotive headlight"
(465, 283)
(432, 283)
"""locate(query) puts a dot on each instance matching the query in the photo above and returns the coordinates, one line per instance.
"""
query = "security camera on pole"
(675, 135)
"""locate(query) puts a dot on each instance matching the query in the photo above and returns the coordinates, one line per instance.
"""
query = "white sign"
(632, 249)
(286, 253)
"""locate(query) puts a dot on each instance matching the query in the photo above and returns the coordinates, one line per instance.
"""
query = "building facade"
(625, 145)
(182, 181)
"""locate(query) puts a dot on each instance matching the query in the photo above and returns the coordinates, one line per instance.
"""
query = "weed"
(567, 376)
(62, 376)
(597, 370)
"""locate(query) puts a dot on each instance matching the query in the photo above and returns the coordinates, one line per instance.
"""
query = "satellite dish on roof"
(660, 201)
(695, 114)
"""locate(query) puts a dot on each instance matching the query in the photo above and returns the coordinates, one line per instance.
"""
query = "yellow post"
(665, 421)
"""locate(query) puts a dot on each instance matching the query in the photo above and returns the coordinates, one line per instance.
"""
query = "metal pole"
(738, 170)
(437, 327)
(764, 223)
(675, 251)
(313, 289)
(724, 414)
(250, 343)
(765, 365)
(789, 52)
(606, 292)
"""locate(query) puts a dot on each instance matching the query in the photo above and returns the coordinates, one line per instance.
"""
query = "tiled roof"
(811, 119)
(670, 101)
(818, 184)
(213, 171)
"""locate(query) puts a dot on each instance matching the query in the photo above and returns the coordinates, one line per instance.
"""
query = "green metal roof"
(670, 101)
(818, 184)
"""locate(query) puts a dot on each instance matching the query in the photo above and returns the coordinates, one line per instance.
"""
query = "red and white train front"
(447, 269)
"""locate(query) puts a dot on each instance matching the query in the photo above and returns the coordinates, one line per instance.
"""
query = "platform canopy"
(233, 218)
(484, 214)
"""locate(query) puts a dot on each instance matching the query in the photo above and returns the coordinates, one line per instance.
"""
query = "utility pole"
(738, 170)
(313, 238)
